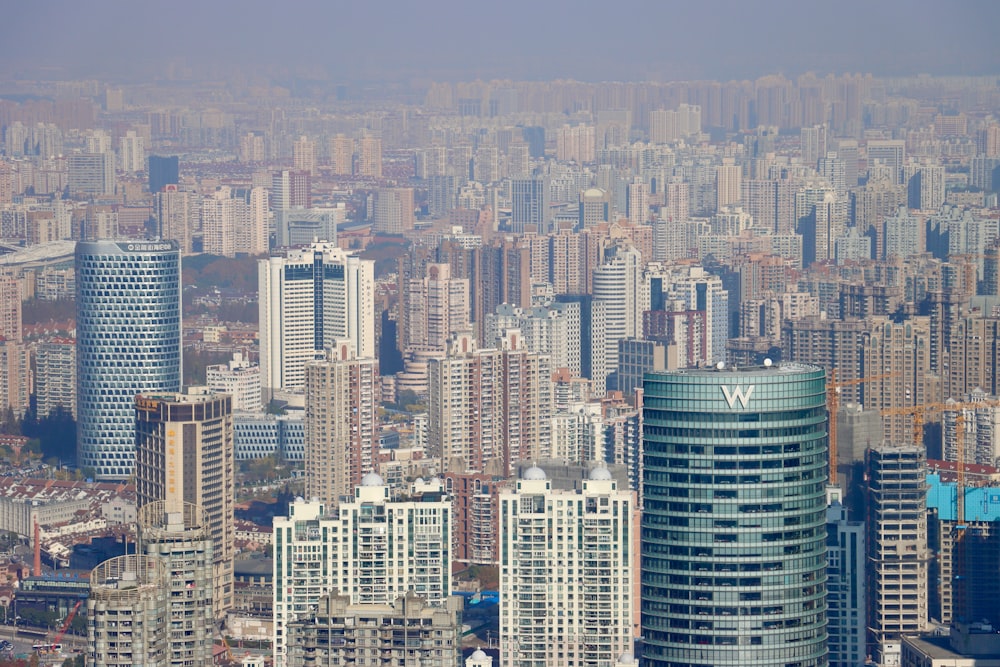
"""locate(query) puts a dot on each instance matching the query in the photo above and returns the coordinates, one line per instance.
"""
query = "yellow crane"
(920, 413)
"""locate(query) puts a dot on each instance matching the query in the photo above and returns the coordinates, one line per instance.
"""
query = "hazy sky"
(520, 39)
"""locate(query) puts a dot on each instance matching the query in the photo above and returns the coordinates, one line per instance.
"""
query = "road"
(23, 642)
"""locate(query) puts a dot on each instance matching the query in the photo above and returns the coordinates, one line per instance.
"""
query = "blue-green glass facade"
(734, 521)
(128, 337)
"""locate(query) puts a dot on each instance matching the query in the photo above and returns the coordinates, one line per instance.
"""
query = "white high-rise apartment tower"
(373, 549)
(566, 572)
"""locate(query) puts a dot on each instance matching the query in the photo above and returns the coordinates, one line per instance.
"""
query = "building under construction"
(965, 576)
(898, 554)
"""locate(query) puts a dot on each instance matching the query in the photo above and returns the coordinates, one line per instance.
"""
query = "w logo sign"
(734, 394)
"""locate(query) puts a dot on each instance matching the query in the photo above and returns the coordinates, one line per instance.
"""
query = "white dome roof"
(534, 472)
(627, 659)
(479, 654)
(600, 473)
(372, 479)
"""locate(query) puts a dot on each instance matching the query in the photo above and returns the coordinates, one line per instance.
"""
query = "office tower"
(393, 211)
(304, 155)
(812, 141)
(342, 438)
(566, 572)
(252, 147)
(128, 613)
(162, 171)
(406, 632)
(308, 298)
(176, 216)
(637, 209)
(530, 205)
(595, 208)
(370, 157)
(302, 226)
(434, 307)
(128, 318)
(845, 585)
(734, 520)
(238, 378)
(290, 189)
(728, 185)
(132, 152)
(91, 174)
(342, 155)
(55, 377)
(857, 430)
(184, 454)
(371, 548)
(618, 285)
(898, 556)
(178, 536)
(889, 153)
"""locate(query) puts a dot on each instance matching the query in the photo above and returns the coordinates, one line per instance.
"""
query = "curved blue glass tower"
(734, 520)
(128, 328)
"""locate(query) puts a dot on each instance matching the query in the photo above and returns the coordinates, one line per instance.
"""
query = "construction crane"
(833, 388)
(920, 412)
(69, 619)
(54, 646)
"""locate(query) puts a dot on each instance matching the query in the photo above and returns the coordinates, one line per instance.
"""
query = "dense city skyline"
(448, 40)
(501, 335)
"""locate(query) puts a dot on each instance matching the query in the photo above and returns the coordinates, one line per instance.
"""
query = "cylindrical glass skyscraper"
(128, 336)
(734, 519)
